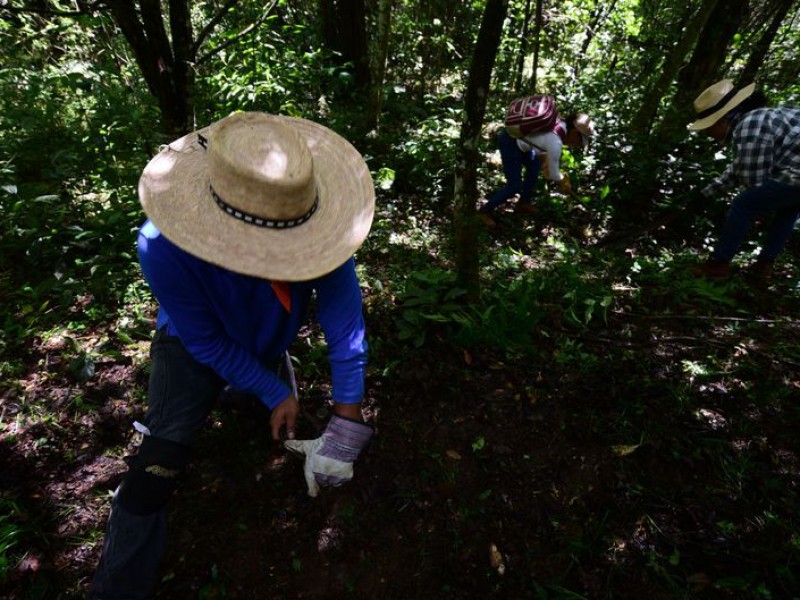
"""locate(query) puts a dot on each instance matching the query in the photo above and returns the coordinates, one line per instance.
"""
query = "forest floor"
(653, 455)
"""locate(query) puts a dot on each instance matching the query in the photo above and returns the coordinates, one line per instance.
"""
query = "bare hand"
(285, 414)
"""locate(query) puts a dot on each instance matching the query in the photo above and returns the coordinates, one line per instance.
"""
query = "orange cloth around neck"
(281, 289)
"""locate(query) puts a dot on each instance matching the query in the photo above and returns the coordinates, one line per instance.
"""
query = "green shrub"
(10, 532)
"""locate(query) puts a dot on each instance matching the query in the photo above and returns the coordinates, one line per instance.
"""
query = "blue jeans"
(181, 394)
(514, 160)
(769, 197)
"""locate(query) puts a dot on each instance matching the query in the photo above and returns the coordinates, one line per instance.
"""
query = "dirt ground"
(490, 476)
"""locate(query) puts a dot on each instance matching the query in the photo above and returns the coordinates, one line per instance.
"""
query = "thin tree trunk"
(183, 77)
(643, 119)
(536, 43)
(703, 68)
(601, 13)
(466, 187)
(379, 50)
(761, 47)
(642, 184)
(344, 32)
(168, 78)
(523, 47)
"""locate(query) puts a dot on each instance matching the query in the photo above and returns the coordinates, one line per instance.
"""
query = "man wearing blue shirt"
(247, 219)
(766, 149)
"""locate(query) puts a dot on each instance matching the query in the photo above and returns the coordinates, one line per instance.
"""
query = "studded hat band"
(259, 221)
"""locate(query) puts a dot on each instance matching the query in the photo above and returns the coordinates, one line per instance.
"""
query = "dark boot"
(487, 220)
(526, 208)
(132, 551)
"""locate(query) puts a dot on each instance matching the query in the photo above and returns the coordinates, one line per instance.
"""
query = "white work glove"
(329, 459)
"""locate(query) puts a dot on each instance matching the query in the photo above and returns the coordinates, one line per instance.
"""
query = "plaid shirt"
(766, 145)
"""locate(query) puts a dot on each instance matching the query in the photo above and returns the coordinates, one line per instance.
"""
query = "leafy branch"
(53, 11)
(244, 32)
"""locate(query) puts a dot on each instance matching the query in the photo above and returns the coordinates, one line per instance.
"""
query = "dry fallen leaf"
(496, 559)
(453, 454)
(698, 581)
(623, 450)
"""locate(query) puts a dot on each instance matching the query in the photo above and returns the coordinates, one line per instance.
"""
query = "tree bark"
(523, 47)
(344, 29)
(641, 186)
(378, 53)
(703, 68)
(643, 119)
(537, 37)
(761, 47)
(183, 47)
(466, 188)
(167, 68)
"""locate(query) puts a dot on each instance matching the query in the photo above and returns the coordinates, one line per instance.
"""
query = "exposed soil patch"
(620, 470)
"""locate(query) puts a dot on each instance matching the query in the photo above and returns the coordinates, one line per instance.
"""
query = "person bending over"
(766, 164)
(246, 219)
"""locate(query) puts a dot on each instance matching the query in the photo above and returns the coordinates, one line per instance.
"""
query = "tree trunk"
(344, 30)
(761, 47)
(537, 36)
(599, 15)
(703, 68)
(643, 119)
(184, 58)
(641, 186)
(378, 53)
(466, 187)
(523, 47)
(167, 69)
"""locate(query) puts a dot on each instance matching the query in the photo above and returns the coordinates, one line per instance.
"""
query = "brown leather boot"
(488, 221)
(526, 208)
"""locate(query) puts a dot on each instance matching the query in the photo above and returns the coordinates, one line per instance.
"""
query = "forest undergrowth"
(602, 425)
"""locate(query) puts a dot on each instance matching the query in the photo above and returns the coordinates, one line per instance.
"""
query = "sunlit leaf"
(625, 450)
(496, 559)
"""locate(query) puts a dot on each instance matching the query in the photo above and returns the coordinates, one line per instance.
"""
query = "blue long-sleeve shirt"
(236, 324)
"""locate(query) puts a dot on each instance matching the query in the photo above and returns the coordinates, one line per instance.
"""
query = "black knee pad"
(152, 475)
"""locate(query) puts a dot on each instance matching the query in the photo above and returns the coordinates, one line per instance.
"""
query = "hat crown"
(712, 95)
(260, 166)
(718, 100)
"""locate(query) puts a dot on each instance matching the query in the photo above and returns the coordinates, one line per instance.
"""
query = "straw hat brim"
(708, 121)
(174, 193)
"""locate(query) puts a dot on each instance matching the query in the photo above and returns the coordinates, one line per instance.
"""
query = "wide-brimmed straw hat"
(718, 100)
(276, 197)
